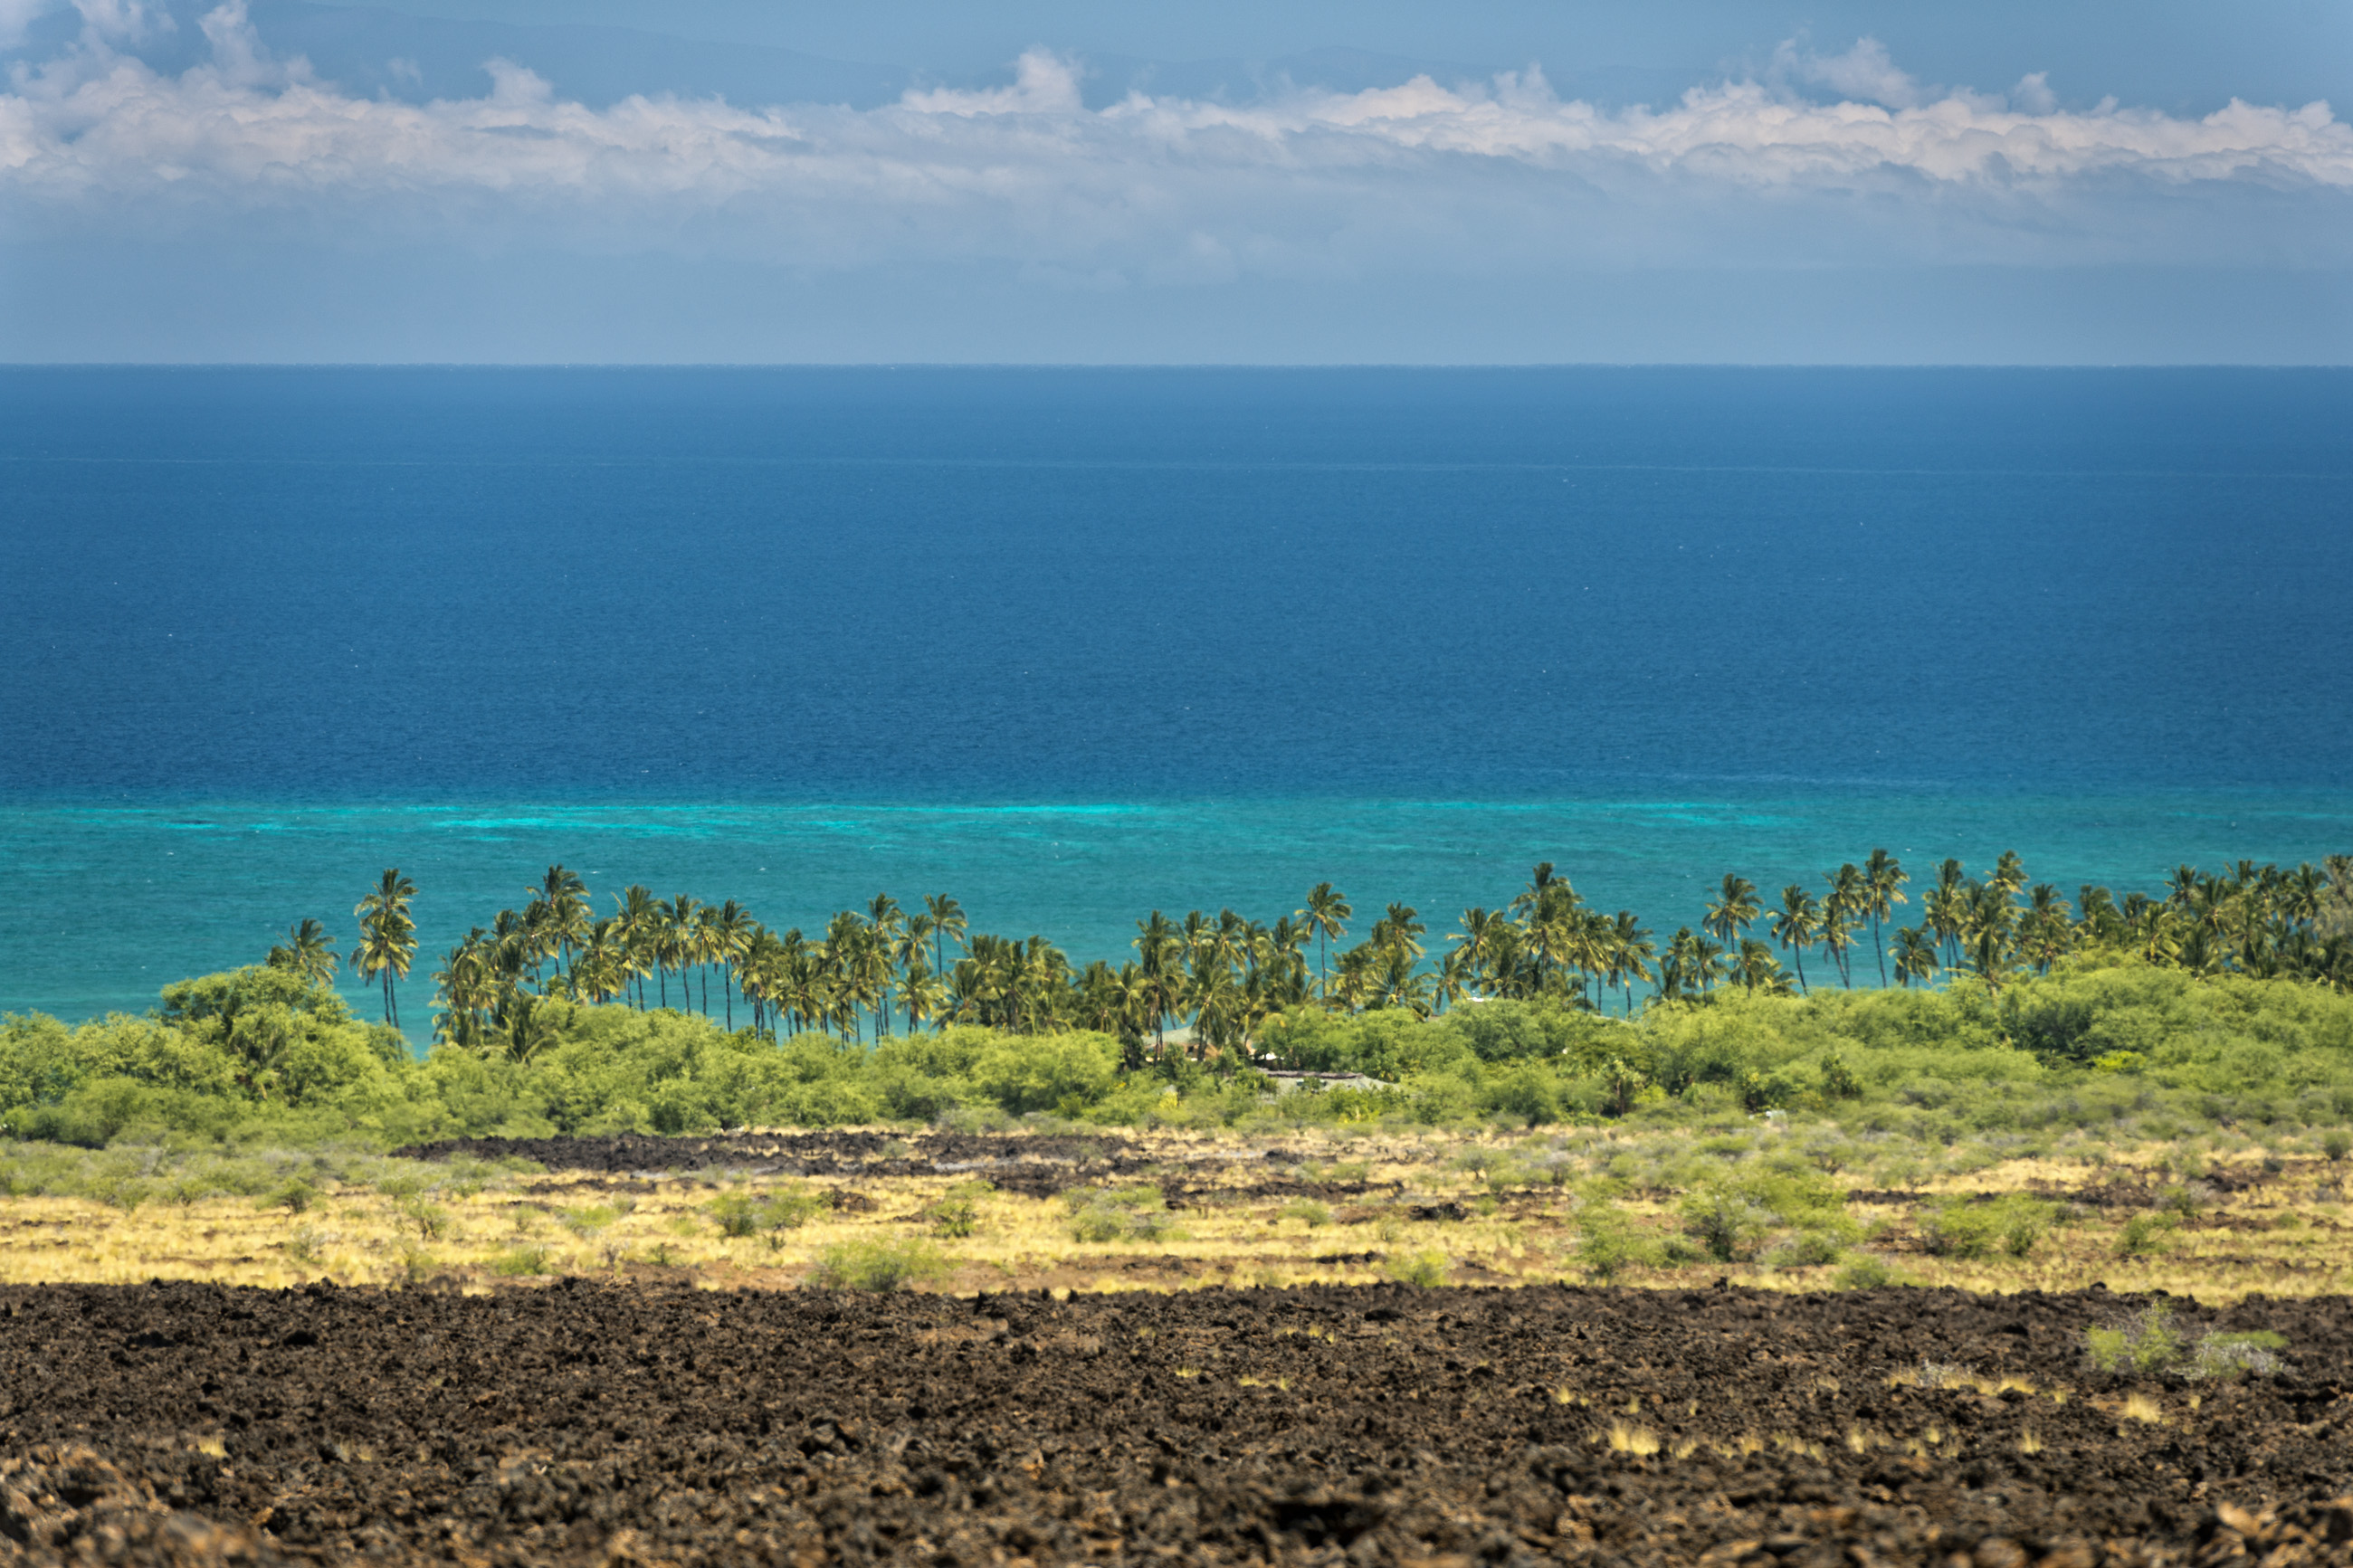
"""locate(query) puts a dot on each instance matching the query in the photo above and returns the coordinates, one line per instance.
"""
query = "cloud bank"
(1504, 177)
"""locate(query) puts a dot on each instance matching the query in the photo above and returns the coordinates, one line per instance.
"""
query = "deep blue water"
(1072, 644)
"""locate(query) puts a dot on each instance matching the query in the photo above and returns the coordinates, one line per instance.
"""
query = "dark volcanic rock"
(588, 1423)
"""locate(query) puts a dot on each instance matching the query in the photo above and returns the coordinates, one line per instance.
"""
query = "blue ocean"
(1073, 644)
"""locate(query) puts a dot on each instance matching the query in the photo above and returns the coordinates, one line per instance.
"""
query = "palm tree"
(674, 940)
(1795, 924)
(2009, 874)
(1631, 950)
(947, 925)
(387, 937)
(638, 925)
(309, 951)
(1757, 967)
(1159, 951)
(1848, 898)
(569, 911)
(1915, 956)
(1399, 929)
(1884, 879)
(728, 934)
(1732, 910)
(1326, 915)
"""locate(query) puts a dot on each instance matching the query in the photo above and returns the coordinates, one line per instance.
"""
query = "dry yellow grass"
(2274, 1238)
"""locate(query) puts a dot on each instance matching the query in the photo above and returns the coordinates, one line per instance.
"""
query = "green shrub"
(1867, 1272)
(429, 1219)
(296, 1196)
(1099, 1215)
(1805, 1249)
(2149, 1343)
(956, 1212)
(2142, 1236)
(1959, 1227)
(2185, 1200)
(1426, 1269)
(879, 1265)
(2336, 1145)
(521, 1262)
(1608, 1244)
(1732, 1216)
(2223, 1356)
(749, 1214)
(1308, 1212)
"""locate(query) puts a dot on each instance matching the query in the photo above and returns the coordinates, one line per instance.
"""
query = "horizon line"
(1186, 364)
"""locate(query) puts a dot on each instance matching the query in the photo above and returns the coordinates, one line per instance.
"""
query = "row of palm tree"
(1214, 980)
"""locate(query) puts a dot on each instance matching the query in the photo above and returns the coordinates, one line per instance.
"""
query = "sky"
(1082, 181)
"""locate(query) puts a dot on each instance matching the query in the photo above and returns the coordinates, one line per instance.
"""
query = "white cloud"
(1865, 71)
(1175, 190)
(2033, 94)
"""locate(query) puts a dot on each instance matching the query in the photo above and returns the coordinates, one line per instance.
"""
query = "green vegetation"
(2222, 1004)
(1427, 1268)
(2151, 1344)
(1959, 1227)
(787, 1208)
(1118, 1214)
(956, 1212)
(879, 1265)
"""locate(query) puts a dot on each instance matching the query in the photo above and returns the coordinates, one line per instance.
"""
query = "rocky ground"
(580, 1423)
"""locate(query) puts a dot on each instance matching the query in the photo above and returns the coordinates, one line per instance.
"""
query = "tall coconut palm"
(1400, 929)
(309, 951)
(2009, 874)
(1629, 953)
(1159, 949)
(948, 924)
(387, 937)
(569, 912)
(638, 919)
(674, 940)
(1884, 879)
(1730, 913)
(1326, 915)
(1843, 907)
(1795, 924)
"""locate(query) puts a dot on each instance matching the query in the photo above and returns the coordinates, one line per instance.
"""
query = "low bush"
(2151, 1344)
(1427, 1268)
(1804, 1249)
(1867, 1272)
(521, 1262)
(2143, 1234)
(1961, 1228)
(1101, 1214)
(1732, 1216)
(879, 1265)
(752, 1214)
(956, 1212)
(1608, 1245)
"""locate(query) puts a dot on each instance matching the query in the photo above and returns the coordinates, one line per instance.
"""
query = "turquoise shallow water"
(110, 902)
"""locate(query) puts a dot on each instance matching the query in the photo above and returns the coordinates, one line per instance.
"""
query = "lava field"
(585, 1422)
